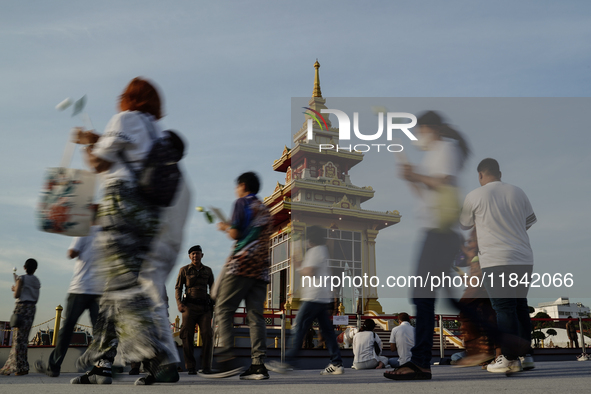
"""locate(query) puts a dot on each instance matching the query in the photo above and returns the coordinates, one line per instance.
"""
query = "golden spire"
(317, 92)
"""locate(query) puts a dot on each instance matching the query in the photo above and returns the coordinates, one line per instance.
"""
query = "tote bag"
(66, 200)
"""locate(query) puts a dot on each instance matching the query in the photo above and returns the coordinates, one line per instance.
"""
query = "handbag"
(66, 200)
(376, 347)
(16, 320)
(448, 207)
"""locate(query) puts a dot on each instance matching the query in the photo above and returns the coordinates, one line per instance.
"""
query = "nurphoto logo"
(393, 122)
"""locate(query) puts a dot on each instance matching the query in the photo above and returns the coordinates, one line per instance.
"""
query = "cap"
(196, 248)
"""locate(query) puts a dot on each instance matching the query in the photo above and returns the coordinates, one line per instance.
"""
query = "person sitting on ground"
(402, 339)
(364, 348)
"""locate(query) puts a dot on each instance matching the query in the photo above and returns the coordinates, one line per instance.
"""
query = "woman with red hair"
(128, 225)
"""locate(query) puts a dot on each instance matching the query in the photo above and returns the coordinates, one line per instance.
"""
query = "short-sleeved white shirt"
(404, 338)
(442, 160)
(501, 213)
(85, 279)
(363, 349)
(30, 289)
(317, 257)
(126, 131)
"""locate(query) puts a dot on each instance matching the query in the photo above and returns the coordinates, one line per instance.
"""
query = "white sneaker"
(502, 365)
(333, 370)
(527, 362)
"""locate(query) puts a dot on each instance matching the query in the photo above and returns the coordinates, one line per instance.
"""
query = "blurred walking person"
(128, 224)
(244, 277)
(156, 270)
(476, 326)
(317, 302)
(84, 293)
(434, 184)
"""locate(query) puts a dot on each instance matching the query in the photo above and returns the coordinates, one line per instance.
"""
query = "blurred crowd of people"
(122, 266)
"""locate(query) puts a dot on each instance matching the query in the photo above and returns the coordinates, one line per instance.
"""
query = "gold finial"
(317, 92)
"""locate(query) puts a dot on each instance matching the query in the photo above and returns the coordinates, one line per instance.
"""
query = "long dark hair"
(368, 325)
(433, 120)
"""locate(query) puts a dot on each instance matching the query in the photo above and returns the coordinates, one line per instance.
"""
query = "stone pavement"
(548, 377)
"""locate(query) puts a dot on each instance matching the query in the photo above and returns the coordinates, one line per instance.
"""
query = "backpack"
(158, 180)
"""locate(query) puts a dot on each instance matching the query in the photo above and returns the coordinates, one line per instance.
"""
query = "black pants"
(76, 305)
(436, 258)
(193, 316)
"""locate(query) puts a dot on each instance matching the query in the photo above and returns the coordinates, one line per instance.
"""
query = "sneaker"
(527, 362)
(255, 372)
(333, 370)
(134, 371)
(502, 365)
(95, 376)
(39, 367)
(278, 367)
(166, 374)
(473, 360)
(147, 380)
(224, 369)
(192, 371)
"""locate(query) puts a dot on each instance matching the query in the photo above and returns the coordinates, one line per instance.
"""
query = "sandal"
(417, 374)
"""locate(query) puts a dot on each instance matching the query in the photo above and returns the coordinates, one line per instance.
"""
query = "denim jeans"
(304, 319)
(76, 305)
(437, 254)
(510, 305)
(232, 290)
(393, 362)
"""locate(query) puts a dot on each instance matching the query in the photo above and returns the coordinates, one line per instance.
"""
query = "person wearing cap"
(196, 306)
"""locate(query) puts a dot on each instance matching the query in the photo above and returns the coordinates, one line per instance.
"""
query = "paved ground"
(548, 377)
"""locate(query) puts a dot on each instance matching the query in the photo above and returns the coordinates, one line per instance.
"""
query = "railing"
(446, 326)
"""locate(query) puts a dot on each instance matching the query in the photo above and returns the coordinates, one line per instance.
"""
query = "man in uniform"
(196, 307)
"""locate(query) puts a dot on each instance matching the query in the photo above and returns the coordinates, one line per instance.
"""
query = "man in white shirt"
(84, 293)
(502, 214)
(316, 303)
(402, 339)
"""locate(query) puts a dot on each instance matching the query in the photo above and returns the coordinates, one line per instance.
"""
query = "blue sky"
(228, 71)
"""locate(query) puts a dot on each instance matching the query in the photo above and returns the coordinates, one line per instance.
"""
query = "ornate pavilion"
(318, 191)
